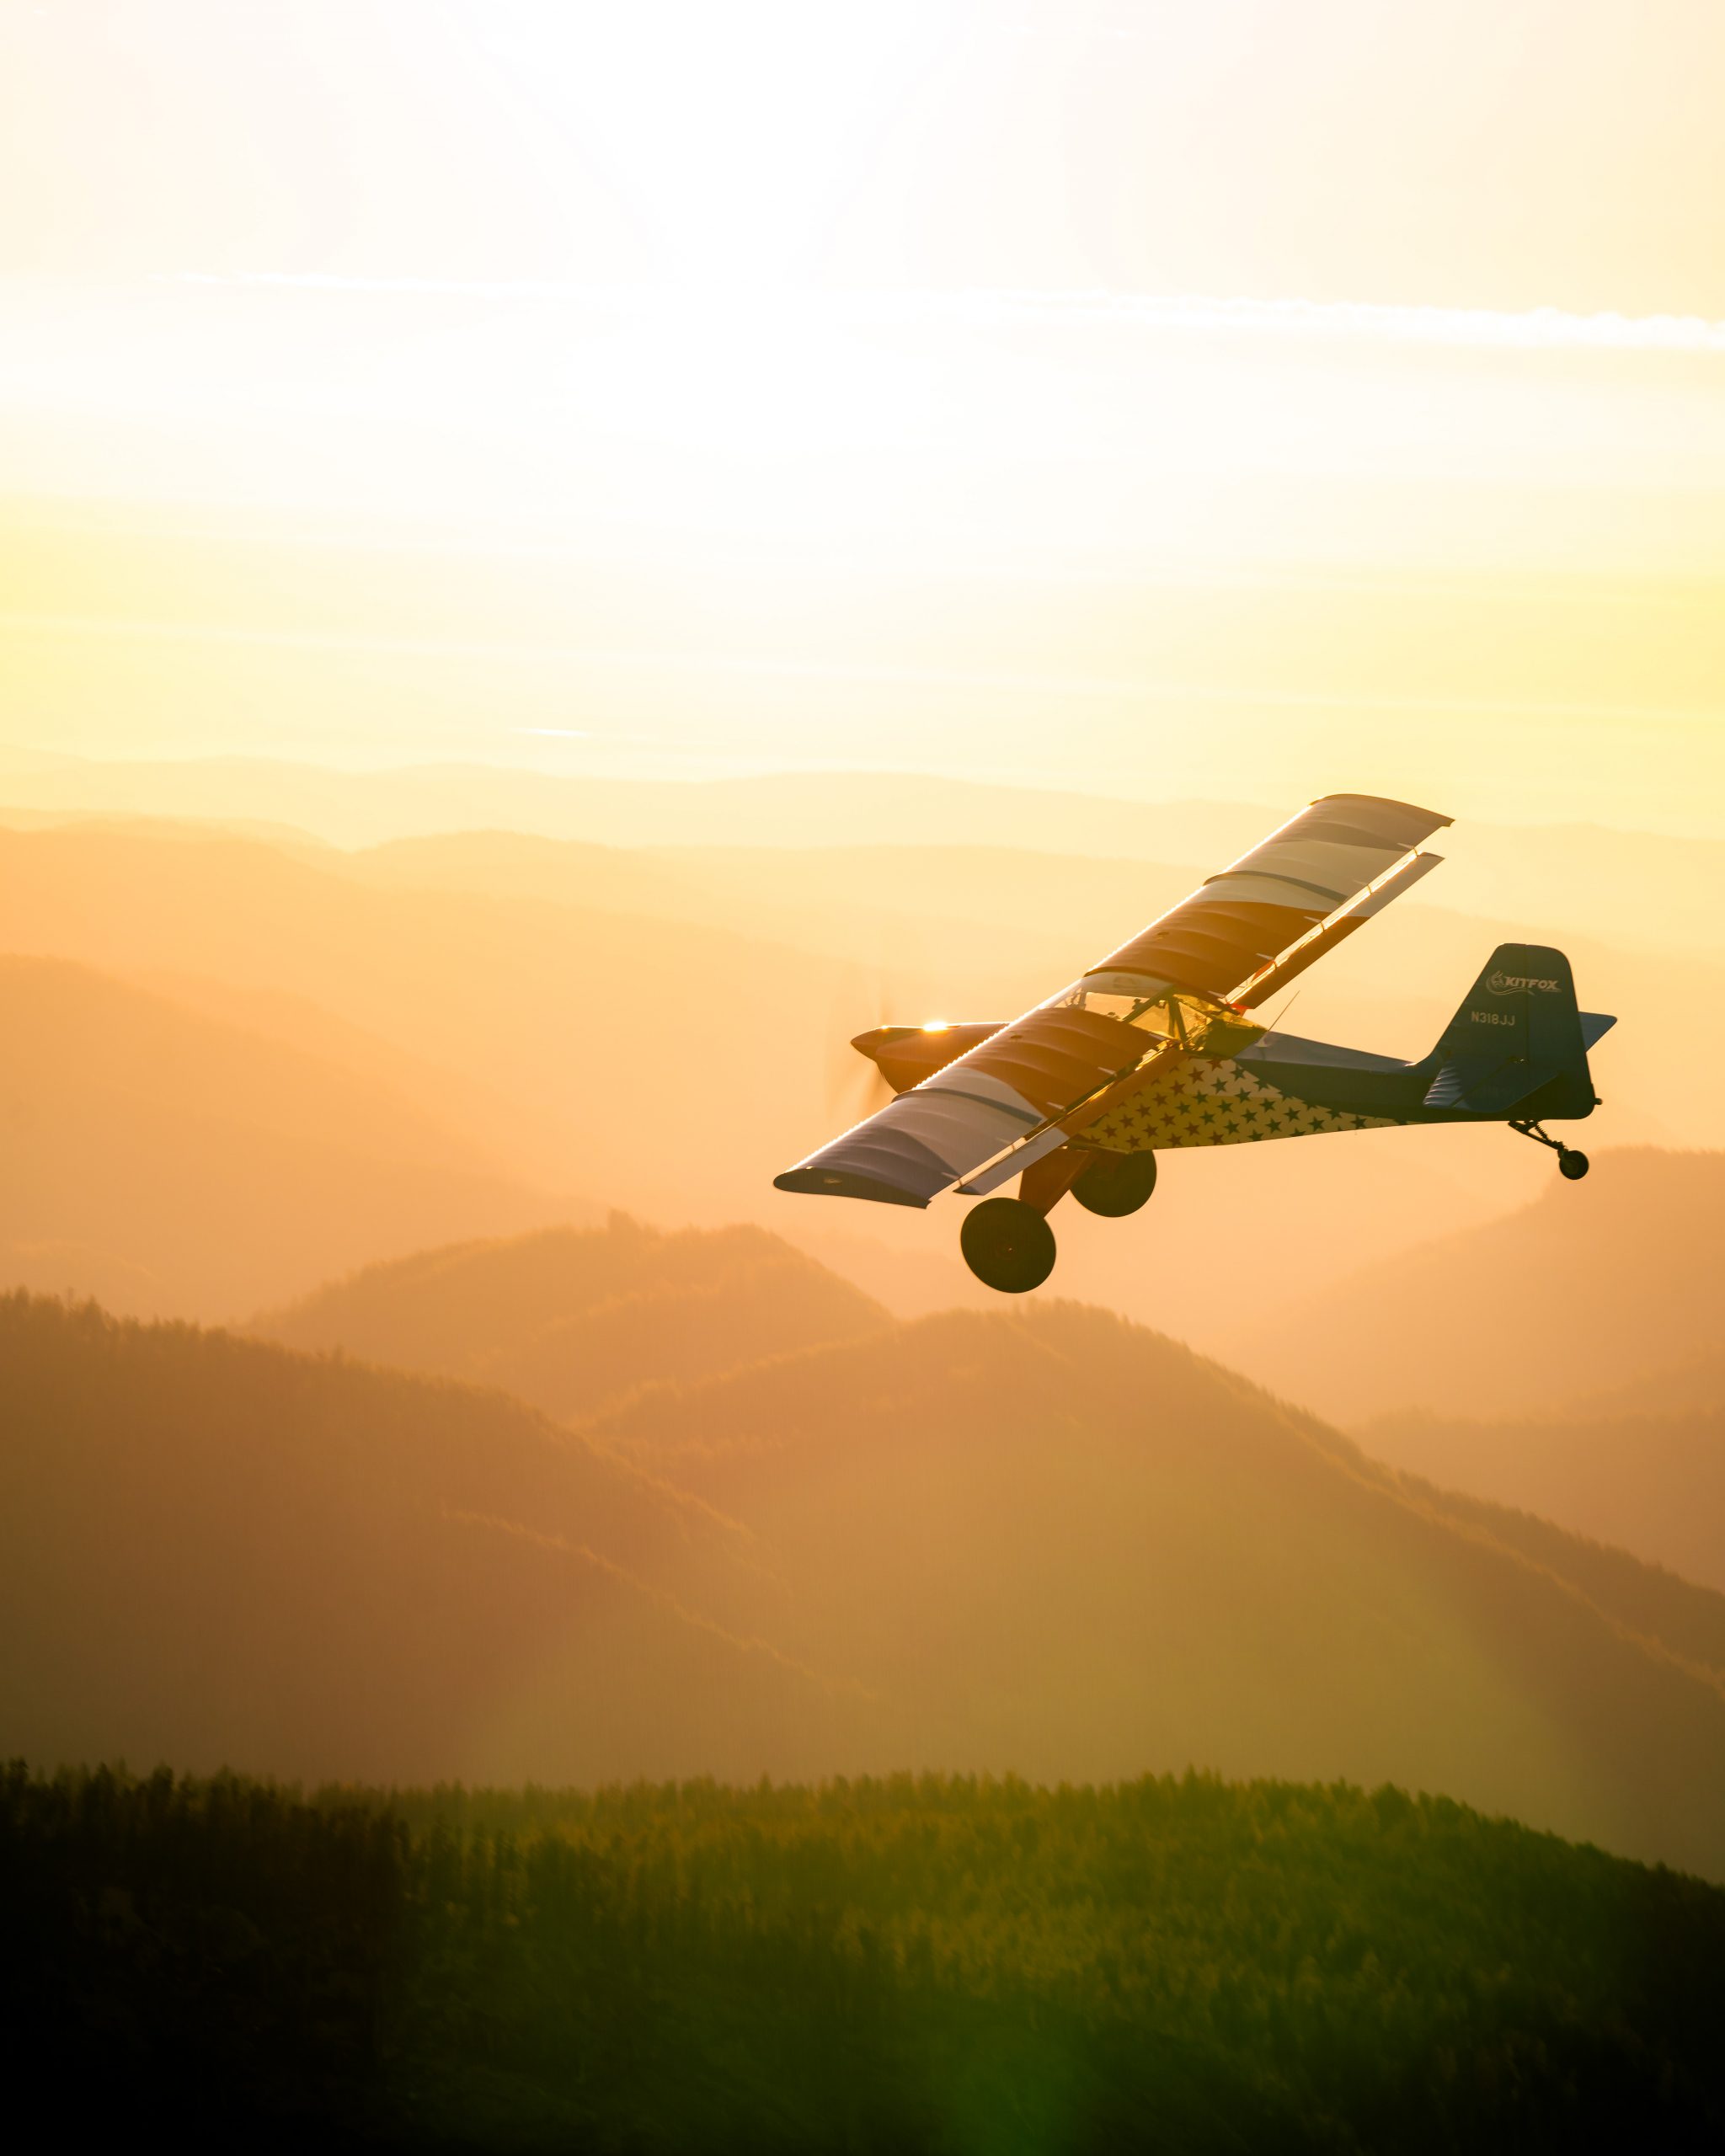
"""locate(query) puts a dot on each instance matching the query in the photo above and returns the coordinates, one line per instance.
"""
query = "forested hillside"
(1106, 1553)
(222, 1553)
(565, 1319)
(917, 1965)
(1040, 1541)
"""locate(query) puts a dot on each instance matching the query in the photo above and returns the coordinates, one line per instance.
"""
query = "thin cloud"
(1535, 328)
(1129, 688)
(1530, 329)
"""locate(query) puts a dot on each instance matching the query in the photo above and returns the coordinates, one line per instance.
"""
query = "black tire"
(1007, 1245)
(1115, 1184)
(1572, 1165)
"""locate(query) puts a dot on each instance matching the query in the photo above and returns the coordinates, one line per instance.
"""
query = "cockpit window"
(1167, 1014)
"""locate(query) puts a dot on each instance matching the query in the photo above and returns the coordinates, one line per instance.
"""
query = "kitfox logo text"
(1508, 983)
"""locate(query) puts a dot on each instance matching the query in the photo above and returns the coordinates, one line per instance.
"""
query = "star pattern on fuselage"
(1209, 1102)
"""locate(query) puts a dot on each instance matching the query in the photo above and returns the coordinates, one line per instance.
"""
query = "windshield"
(1165, 1013)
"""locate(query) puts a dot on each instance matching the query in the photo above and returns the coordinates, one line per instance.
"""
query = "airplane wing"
(1177, 988)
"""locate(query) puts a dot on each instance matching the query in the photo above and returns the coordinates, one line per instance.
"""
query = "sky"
(1136, 396)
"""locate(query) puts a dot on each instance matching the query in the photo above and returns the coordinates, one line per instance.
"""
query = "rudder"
(1517, 1042)
(1523, 1008)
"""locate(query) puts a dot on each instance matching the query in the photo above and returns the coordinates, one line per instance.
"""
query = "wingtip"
(829, 1182)
(1439, 822)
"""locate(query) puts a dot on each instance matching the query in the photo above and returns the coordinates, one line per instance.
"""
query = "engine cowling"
(907, 1054)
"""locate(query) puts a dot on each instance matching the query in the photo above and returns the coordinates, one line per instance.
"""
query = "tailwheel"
(1007, 1245)
(1570, 1164)
(1115, 1184)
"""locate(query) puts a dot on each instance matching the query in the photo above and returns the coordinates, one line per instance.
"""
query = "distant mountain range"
(174, 1162)
(1641, 1464)
(567, 1319)
(571, 1320)
(675, 1062)
(1646, 887)
(1038, 1539)
(1611, 1283)
(1653, 1483)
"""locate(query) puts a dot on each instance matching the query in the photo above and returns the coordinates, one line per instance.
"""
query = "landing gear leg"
(1570, 1164)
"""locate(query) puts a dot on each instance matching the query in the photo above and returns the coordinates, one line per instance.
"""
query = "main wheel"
(1115, 1184)
(1007, 1245)
(1572, 1164)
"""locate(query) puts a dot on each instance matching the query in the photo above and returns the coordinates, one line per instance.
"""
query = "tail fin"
(1524, 1006)
(1519, 1040)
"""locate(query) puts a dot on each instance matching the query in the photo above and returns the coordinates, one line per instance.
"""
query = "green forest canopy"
(939, 1963)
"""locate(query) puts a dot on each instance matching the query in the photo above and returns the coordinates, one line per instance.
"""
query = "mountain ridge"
(564, 1316)
(144, 1144)
(1653, 1483)
(1593, 1285)
(1044, 1541)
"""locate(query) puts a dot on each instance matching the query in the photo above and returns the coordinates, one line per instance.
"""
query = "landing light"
(935, 1026)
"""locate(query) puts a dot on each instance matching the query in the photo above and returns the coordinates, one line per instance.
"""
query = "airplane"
(1151, 1049)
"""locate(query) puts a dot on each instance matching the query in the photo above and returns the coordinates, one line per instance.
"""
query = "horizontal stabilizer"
(1488, 1086)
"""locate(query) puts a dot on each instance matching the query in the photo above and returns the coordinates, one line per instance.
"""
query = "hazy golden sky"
(1503, 153)
(1156, 397)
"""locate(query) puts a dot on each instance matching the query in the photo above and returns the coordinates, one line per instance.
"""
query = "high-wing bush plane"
(1152, 1049)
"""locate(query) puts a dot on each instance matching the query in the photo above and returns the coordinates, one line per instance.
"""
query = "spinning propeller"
(855, 1085)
